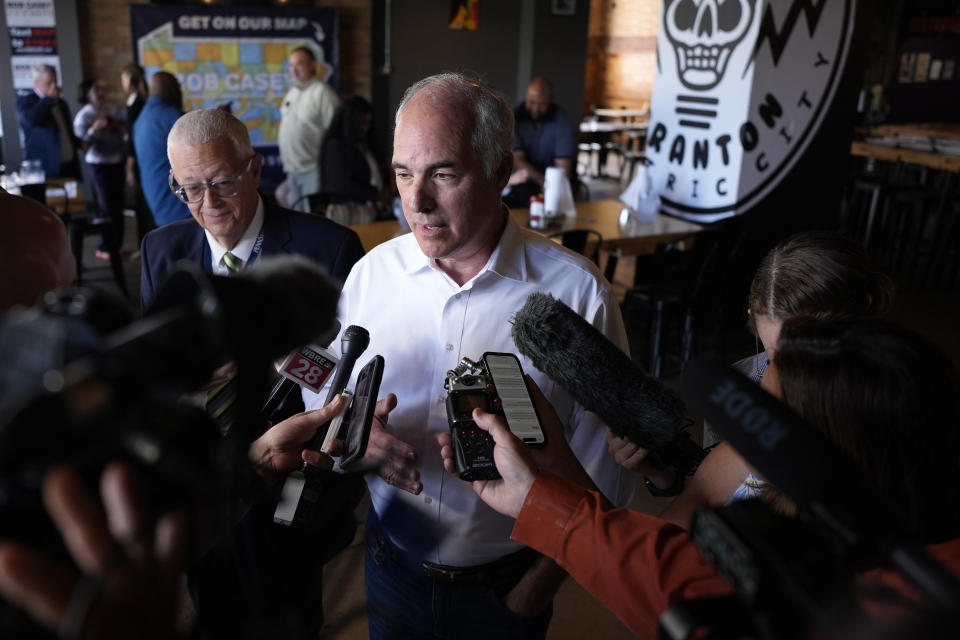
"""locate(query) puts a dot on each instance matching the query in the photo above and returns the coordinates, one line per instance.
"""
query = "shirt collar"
(308, 83)
(507, 259)
(245, 247)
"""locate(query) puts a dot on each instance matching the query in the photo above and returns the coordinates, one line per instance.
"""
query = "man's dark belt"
(505, 569)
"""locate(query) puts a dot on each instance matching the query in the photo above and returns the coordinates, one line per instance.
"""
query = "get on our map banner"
(236, 56)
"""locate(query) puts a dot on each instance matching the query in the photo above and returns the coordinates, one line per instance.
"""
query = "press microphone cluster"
(306, 367)
(353, 343)
(604, 380)
(291, 507)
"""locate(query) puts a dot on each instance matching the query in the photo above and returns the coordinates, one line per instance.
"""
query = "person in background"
(215, 174)
(163, 108)
(45, 121)
(262, 572)
(135, 89)
(306, 112)
(887, 398)
(544, 138)
(99, 127)
(815, 275)
(350, 170)
(812, 274)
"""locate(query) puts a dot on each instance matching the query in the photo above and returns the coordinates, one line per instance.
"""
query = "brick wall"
(106, 47)
(621, 52)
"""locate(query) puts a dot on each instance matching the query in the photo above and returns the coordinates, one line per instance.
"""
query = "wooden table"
(57, 199)
(611, 126)
(621, 113)
(948, 131)
(602, 216)
(930, 159)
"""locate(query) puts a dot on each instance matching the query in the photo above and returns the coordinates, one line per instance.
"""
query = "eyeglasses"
(221, 187)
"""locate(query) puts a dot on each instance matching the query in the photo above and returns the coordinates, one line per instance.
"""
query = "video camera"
(77, 390)
(797, 577)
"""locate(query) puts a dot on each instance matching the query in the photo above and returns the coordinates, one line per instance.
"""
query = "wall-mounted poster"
(236, 56)
(31, 25)
(741, 89)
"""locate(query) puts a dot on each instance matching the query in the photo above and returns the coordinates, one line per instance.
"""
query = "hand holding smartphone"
(352, 425)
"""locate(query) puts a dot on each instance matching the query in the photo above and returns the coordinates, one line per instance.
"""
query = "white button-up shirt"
(244, 248)
(422, 323)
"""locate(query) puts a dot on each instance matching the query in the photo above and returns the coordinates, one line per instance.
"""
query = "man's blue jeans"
(405, 603)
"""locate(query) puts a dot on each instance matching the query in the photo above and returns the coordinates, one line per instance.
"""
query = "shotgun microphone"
(604, 380)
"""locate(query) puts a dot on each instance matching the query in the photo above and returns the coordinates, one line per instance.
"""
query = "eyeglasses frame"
(181, 189)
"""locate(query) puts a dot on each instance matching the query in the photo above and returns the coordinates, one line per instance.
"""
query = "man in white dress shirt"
(305, 113)
(428, 298)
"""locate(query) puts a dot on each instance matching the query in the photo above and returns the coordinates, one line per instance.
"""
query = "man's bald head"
(538, 98)
(164, 85)
(34, 247)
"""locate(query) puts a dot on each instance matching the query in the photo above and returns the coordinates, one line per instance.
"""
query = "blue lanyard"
(257, 248)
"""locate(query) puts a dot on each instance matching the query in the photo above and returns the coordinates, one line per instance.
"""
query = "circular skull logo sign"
(741, 87)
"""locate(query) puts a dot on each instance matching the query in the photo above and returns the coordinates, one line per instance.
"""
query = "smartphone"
(515, 402)
(360, 417)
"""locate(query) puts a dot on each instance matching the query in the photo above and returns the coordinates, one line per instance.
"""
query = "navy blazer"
(331, 245)
(41, 135)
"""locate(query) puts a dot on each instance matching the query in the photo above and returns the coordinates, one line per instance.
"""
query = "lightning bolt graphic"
(778, 38)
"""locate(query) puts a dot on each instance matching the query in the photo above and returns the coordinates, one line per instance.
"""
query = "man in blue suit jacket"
(263, 579)
(205, 172)
(47, 126)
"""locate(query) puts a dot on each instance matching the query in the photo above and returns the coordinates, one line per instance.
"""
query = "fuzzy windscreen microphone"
(605, 381)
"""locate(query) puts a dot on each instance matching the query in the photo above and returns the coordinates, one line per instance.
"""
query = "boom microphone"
(605, 381)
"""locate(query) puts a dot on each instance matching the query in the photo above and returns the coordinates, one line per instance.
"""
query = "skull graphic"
(704, 33)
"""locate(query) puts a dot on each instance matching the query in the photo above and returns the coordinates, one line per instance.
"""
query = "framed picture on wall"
(563, 7)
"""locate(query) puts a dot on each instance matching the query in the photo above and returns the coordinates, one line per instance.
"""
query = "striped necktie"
(232, 262)
(220, 399)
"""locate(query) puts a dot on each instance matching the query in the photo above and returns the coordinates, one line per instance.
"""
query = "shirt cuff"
(549, 506)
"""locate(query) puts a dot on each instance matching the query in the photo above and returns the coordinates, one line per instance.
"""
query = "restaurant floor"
(577, 614)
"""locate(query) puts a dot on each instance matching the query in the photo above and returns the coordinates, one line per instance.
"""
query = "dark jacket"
(41, 135)
(284, 232)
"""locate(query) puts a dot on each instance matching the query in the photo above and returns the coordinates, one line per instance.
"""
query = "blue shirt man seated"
(543, 138)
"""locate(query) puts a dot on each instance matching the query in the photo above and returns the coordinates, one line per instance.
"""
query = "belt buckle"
(442, 574)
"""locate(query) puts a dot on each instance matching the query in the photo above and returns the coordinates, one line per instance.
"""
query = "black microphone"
(605, 381)
(353, 343)
(285, 385)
